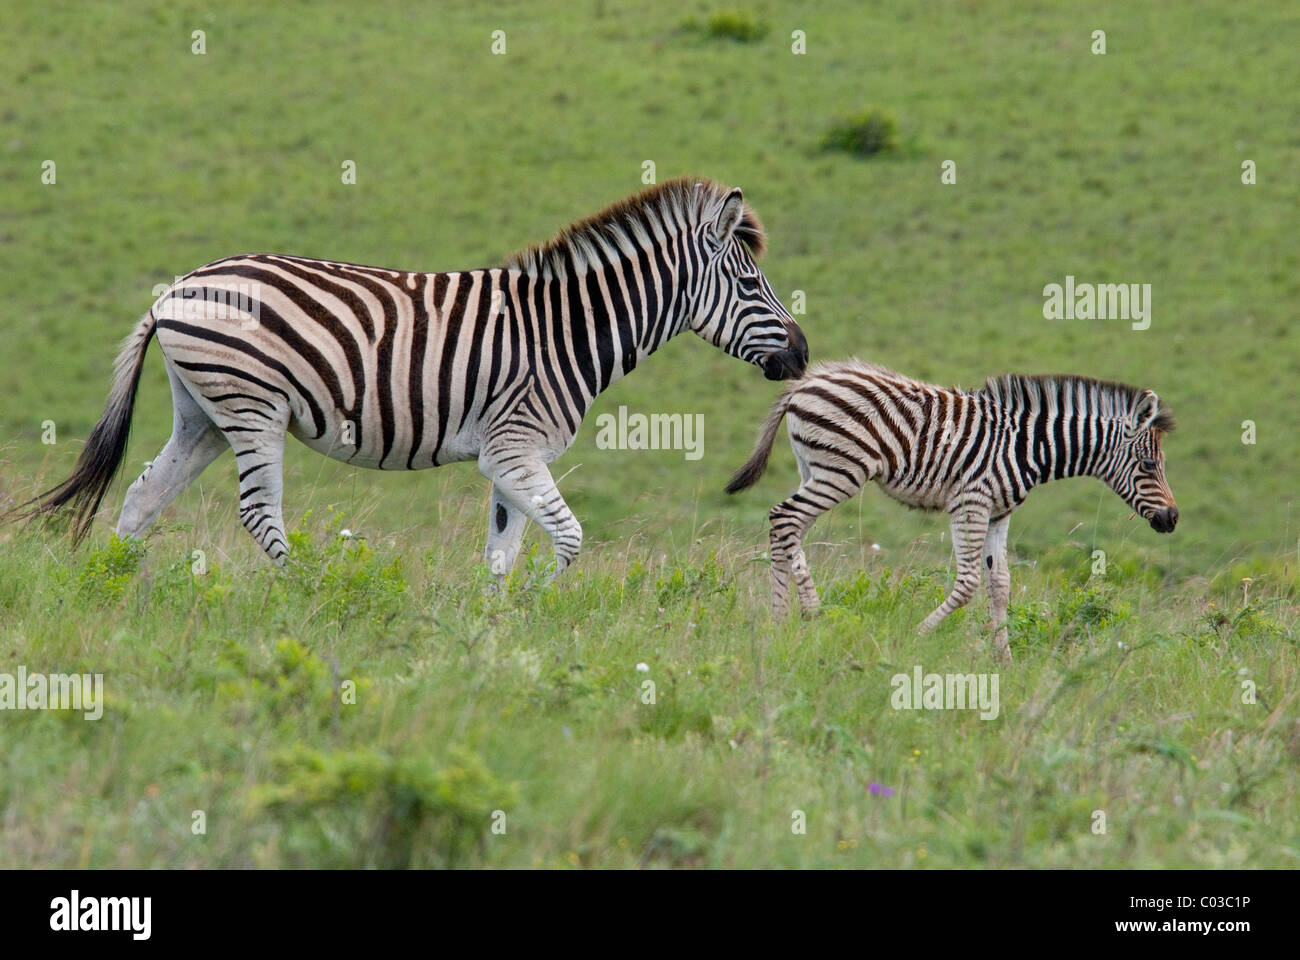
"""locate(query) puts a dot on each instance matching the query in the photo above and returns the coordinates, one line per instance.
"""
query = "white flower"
(345, 534)
(642, 668)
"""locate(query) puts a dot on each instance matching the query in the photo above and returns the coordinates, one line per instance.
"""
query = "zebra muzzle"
(1164, 521)
(784, 365)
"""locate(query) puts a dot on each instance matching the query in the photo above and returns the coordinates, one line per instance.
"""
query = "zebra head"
(1138, 473)
(732, 304)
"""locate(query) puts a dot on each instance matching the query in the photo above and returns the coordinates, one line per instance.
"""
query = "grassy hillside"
(1123, 167)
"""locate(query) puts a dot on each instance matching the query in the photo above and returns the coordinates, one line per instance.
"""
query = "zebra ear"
(1146, 411)
(729, 217)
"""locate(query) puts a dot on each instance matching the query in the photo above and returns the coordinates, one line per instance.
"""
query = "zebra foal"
(974, 454)
(397, 370)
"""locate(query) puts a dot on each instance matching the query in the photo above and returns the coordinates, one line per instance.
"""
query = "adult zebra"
(397, 370)
(975, 454)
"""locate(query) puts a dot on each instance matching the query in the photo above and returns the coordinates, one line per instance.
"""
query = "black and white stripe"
(402, 371)
(974, 454)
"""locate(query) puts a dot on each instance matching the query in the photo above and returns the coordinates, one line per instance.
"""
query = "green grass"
(228, 693)
(221, 689)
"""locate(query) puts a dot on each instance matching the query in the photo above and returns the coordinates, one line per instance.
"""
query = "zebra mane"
(1114, 400)
(634, 222)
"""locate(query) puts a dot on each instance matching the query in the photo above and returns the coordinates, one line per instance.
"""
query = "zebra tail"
(102, 455)
(748, 475)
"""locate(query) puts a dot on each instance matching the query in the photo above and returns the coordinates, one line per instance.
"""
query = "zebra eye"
(1148, 466)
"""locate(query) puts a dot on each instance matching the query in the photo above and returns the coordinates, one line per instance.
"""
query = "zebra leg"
(505, 533)
(791, 519)
(778, 551)
(195, 442)
(525, 482)
(998, 575)
(253, 421)
(796, 562)
(969, 521)
(780, 560)
(259, 454)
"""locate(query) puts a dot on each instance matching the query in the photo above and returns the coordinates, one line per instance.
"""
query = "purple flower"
(881, 789)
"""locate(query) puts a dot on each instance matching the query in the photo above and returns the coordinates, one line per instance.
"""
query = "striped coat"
(400, 370)
(973, 454)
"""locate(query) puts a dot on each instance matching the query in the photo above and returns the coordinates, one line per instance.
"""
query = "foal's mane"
(1113, 399)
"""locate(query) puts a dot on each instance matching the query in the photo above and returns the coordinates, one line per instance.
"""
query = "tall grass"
(378, 704)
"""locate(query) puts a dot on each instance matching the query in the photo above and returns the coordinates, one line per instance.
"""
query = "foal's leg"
(822, 488)
(969, 521)
(998, 575)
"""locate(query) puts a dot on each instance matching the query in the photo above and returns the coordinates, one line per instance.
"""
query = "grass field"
(225, 691)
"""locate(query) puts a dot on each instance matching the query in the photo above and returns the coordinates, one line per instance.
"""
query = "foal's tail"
(102, 455)
(748, 475)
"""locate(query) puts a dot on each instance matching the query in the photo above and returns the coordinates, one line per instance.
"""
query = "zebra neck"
(613, 321)
(1070, 445)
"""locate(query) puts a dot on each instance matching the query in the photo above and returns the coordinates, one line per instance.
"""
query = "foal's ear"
(1145, 412)
(729, 217)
